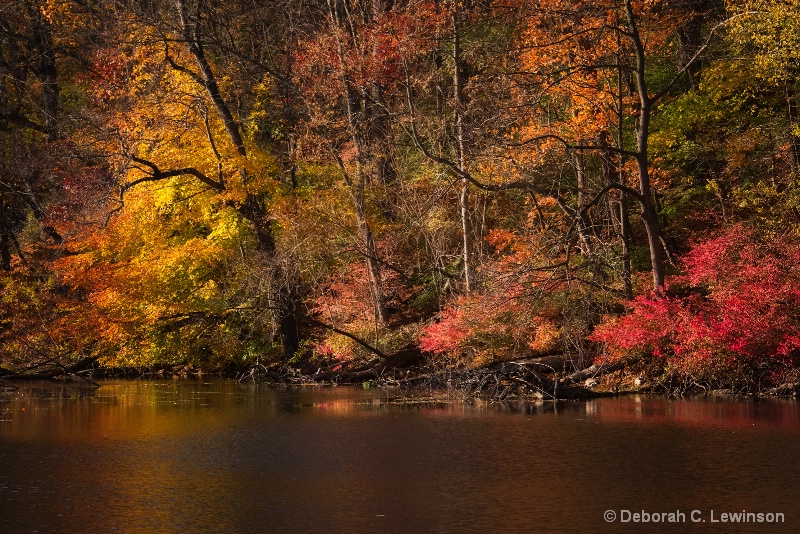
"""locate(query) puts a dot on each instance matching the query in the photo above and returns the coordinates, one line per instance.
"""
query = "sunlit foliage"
(328, 183)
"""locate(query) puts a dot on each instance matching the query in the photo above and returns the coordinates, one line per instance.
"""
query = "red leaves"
(754, 291)
(650, 323)
(490, 326)
(744, 302)
(107, 76)
(370, 54)
(346, 298)
(449, 334)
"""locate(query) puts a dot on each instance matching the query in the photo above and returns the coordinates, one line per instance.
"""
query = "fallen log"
(493, 381)
(498, 381)
(384, 367)
(595, 370)
(51, 369)
(791, 389)
(551, 363)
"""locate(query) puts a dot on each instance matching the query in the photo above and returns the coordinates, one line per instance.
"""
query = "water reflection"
(696, 411)
(217, 456)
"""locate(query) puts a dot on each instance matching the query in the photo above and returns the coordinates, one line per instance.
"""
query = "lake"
(214, 455)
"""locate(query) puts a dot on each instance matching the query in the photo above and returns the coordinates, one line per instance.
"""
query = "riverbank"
(546, 378)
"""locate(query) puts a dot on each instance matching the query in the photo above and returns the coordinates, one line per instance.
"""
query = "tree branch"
(624, 188)
(568, 146)
(358, 340)
(157, 174)
(696, 56)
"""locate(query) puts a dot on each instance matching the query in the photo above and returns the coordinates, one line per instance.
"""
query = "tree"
(29, 122)
(164, 96)
(589, 56)
(347, 72)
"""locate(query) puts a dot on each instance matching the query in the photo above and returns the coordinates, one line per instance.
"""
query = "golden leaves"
(769, 32)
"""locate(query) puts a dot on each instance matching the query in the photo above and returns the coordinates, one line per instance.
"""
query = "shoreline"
(533, 379)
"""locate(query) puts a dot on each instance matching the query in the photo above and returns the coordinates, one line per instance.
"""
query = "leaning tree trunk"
(45, 69)
(581, 219)
(5, 251)
(191, 34)
(285, 297)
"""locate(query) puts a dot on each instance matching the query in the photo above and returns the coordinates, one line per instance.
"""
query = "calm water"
(216, 456)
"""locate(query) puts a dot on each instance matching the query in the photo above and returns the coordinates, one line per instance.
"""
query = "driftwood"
(791, 389)
(53, 369)
(548, 364)
(150, 371)
(526, 378)
(594, 371)
(383, 368)
(503, 380)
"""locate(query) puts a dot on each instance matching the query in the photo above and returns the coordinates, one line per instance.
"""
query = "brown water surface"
(218, 456)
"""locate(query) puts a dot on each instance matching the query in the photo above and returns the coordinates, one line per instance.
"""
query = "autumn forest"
(325, 185)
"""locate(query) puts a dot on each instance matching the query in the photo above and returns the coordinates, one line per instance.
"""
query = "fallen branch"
(595, 371)
(53, 369)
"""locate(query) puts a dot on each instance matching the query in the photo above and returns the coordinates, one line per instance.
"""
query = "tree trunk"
(690, 37)
(618, 207)
(288, 321)
(252, 209)
(356, 109)
(581, 220)
(285, 299)
(381, 169)
(371, 253)
(625, 236)
(357, 190)
(460, 109)
(5, 252)
(794, 140)
(618, 175)
(190, 31)
(649, 215)
(45, 69)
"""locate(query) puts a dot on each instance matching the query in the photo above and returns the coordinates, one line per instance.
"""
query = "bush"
(737, 304)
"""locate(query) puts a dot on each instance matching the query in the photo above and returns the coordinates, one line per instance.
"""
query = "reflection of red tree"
(694, 413)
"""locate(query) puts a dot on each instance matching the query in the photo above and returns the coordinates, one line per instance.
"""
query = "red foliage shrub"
(449, 333)
(740, 300)
(489, 326)
(346, 302)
